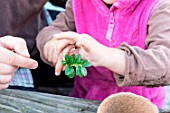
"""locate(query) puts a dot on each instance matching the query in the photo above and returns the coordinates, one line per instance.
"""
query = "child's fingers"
(53, 48)
(64, 67)
(45, 50)
(75, 51)
(68, 49)
(50, 53)
(67, 35)
(54, 56)
(83, 44)
(59, 65)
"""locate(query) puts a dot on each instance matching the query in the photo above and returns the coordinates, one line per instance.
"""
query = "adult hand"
(14, 54)
(54, 51)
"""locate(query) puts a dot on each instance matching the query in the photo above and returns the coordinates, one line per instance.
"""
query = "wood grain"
(16, 101)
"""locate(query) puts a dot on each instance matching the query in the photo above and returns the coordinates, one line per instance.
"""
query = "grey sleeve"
(150, 67)
(63, 22)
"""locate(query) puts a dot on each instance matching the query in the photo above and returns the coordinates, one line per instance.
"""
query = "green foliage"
(72, 62)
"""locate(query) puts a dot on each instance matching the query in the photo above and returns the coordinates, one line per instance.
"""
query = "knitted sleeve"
(63, 22)
(150, 67)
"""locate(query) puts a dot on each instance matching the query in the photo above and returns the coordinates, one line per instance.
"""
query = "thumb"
(10, 58)
(15, 44)
(21, 48)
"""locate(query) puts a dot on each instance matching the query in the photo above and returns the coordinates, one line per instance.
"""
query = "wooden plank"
(16, 101)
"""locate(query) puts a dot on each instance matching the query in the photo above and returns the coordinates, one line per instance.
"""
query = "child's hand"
(55, 50)
(96, 53)
(89, 48)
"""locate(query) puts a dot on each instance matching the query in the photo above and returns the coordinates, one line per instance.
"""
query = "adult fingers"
(7, 69)
(59, 66)
(5, 79)
(10, 58)
(4, 86)
(16, 44)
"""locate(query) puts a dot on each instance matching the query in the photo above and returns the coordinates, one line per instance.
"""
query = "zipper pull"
(110, 27)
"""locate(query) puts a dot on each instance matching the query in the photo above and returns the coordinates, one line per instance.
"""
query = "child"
(127, 42)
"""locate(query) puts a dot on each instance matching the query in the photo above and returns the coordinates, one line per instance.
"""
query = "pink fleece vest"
(126, 21)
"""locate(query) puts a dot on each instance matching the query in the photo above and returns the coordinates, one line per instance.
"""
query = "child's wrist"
(116, 61)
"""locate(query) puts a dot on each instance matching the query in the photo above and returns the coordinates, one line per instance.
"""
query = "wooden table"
(16, 101)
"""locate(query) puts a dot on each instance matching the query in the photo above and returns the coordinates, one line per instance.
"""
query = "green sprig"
(72, 62)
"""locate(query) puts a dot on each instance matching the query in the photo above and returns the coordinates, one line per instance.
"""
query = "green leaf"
(78, 59)
(66, 57)
(83, 71)
(64, 63)
(78, 71)
(86, 63)
(71, 59)
(80, 65)
(72, 56)
(69, 71)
